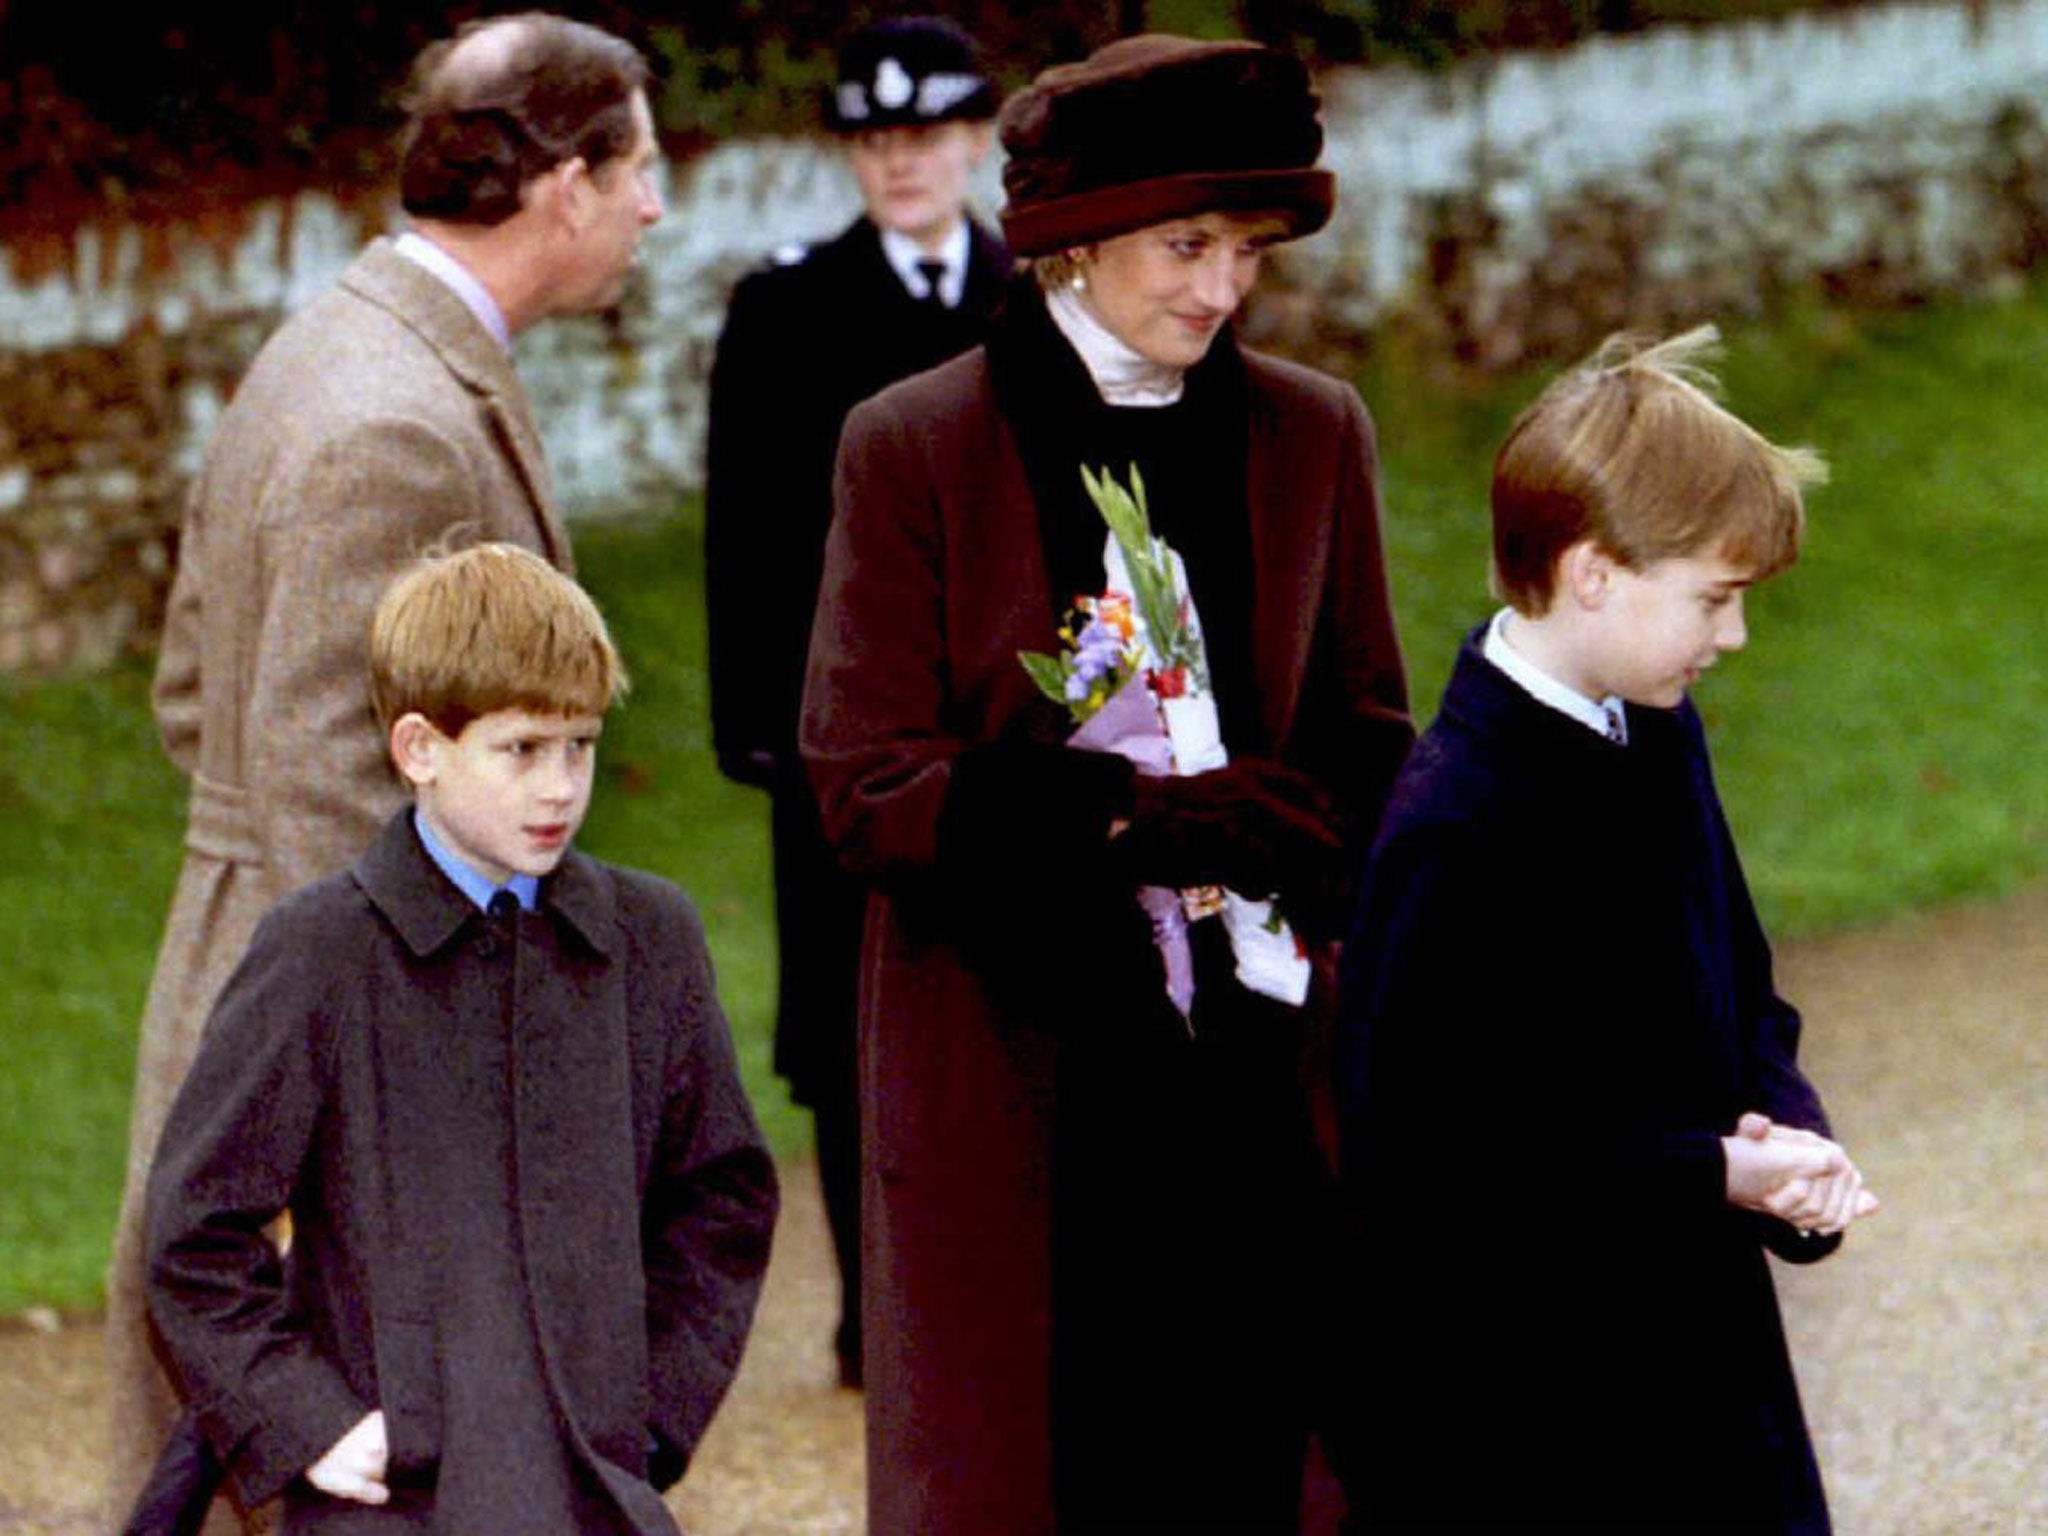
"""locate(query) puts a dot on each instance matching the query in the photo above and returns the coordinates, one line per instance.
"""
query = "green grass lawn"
(660, 803)
(1871, 742)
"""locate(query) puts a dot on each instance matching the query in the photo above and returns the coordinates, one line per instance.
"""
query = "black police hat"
(908, 71)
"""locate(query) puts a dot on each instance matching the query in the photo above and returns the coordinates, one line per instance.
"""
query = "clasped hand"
(1798, 1176)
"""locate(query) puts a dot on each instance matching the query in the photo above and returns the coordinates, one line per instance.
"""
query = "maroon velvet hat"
(1153, 128)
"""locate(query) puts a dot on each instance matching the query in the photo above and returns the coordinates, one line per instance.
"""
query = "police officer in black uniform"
(903, 288)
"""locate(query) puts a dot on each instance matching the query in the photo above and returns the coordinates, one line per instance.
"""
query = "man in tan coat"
(382, 419)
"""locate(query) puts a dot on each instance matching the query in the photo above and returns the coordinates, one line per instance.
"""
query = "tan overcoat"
(382, 418)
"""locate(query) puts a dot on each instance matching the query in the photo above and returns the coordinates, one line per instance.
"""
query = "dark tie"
(932, 272)
(500, 927)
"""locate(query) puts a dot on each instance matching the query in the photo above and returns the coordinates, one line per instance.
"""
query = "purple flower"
(1097, 650)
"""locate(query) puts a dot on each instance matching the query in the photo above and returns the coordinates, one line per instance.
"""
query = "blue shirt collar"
(525, 888)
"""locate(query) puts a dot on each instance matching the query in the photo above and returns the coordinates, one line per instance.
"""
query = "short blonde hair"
(487, 628)
(1632, 450)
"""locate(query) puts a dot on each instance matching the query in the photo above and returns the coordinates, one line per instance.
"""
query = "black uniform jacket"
(520, 1167)
(1557, 999)
(803, 344)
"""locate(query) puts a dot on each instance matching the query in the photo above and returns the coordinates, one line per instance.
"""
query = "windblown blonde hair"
(487, 628)
(1633, 450)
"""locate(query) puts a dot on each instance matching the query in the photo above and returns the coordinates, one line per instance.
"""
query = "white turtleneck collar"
(1122, 374)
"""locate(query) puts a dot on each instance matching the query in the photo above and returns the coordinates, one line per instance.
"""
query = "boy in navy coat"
(488, 1079)
(1574, 1122)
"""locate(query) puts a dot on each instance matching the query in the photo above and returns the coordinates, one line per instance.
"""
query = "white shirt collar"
(1607, 717)
(905, 254)
(1122, 374)
(421, 251)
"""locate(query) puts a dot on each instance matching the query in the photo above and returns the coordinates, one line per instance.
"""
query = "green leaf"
(1047, 672)
(1150, 563)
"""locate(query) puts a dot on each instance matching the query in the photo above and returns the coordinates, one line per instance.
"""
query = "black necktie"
(500, 927)
(932, 272)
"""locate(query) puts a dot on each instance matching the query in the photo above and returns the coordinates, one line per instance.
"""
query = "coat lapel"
(575, 1171)
(989, 267)
(427, 913)
(425, 304)
(576, 1167)
(1290, 553)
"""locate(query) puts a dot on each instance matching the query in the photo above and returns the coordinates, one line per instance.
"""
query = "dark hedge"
(198, 98)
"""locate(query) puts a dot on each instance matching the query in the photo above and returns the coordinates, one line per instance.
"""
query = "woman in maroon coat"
(1095, 1223)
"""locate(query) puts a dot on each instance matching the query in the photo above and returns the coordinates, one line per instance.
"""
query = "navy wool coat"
(1557, 999)
(531, 1207)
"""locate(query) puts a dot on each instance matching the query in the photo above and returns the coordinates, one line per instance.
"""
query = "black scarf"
(1192, 455)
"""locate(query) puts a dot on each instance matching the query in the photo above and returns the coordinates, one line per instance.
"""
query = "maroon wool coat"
(935, 580)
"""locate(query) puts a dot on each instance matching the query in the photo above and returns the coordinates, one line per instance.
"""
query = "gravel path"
(1922, 1348)
(1923, 1345)
(783, 1457)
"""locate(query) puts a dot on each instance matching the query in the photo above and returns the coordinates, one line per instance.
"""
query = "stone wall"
(82, 553)
(1510, 207)
(1533, 203)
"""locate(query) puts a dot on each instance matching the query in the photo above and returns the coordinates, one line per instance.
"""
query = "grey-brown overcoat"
(520, 1163)
(935, 580)
(381, 418)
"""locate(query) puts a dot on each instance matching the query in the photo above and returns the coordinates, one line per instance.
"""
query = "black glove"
(1022, 816)
(1254, 826)
(665, 1464)
(1027, 885)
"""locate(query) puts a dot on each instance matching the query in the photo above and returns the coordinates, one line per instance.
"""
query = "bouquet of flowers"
(1134, 675)
(1100, 654)
(1109, 639)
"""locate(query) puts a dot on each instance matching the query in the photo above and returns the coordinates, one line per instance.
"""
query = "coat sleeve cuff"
(1696, 1166)
(1030, 813)
(1793, 1245)
(288, 1419)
